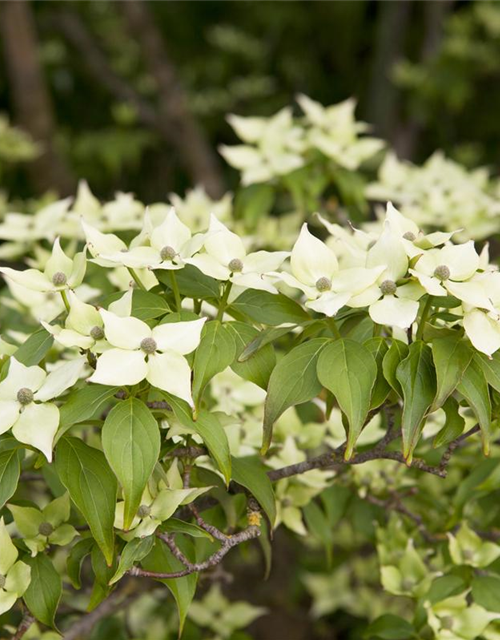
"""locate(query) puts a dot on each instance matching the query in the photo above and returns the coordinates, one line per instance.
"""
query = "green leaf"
(269, 308)
(35, 348)
(174, 525)
(192, 282)
(253, 202)
(491, 368)
(75, 560)
(216, 351)
(259, 366)
(474, 389)
(134, 551)
(45, 589)
(84, 404)
(378, 348)
(417, 378)
(183, 589)
(10, 469)
(398, 351)
(147, 305)
(348, 370)
(454, 425)
(263, 338)
(451, 358)
(486, 592)
(320, 528)
(251, 474)
(293, 381)
(92, 486)
(209, 428)
(444, 587)
(390, 627)
(131, 444)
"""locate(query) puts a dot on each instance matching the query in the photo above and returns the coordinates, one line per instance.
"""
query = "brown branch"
(454, 444)
(24, 626)
(117, 600)
(250, 533)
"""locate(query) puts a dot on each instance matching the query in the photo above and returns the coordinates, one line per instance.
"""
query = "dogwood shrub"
(173, 389)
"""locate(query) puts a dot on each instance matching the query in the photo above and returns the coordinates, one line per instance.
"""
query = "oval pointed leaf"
(451, 358)
(251, 474)
(216, 351)
(45, 589)
(398, 351)
(293, 381)
(474, 388)
(131, 444)
(269, 308)
(259, 366)
(10, 469)
(92, 486)
(348, 370)
(378, 348)
(417, 378)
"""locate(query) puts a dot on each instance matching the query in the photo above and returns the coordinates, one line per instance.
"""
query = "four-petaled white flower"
(446, 270)
(83, 326)
(166, 246)
(140, 353)
(315, 271)
(60, 273)
(225, 258)
(25, 406)
(274, 147)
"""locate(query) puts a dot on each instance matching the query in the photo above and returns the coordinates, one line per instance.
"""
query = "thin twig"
(24, 626)
(251, 532)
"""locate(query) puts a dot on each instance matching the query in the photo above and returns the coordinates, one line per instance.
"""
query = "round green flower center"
(168, 253)
(45, 529)
(25, 395)
(323, 284)
(59, 278)
(388, 287)
(447, 622)
(235, 265)
(148, 345)
(3, 580)
(442, 272)
(144, 511)
(468, 554)
(97, 333)
(409, 235)
(407, 584)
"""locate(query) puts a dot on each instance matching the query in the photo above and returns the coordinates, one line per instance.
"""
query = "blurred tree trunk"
(392, 26)
(30, 97)
(186, 135)
(435, 12)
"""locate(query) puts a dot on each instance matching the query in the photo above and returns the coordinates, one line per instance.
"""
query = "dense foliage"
(179, 383)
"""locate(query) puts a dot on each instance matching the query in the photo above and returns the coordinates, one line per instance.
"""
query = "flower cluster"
(441, 194)
(279, 145)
